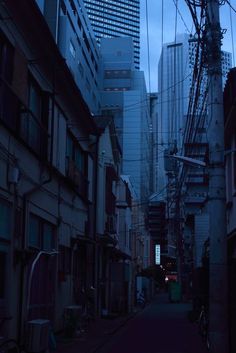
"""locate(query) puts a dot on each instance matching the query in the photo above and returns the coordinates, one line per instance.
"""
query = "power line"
(173, 117)
(141, 103)
(229, 3)
(177, 7)
(148, 201)
(148, 50)
(162, 43)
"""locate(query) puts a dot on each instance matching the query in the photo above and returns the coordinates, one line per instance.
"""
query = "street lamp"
(196, 162)
(187, 160)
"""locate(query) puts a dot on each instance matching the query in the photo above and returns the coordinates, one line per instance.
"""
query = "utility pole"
(218, 285)
(178, 231)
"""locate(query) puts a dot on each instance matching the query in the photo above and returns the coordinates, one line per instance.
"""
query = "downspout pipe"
(95, 145)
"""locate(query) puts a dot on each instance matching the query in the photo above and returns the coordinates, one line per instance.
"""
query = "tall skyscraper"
(124, 97)
(116, 18)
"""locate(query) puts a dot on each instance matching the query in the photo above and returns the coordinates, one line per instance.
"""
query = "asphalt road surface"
(162, 327)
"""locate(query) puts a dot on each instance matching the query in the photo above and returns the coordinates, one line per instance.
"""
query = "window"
(88, 86)
(81, 69)
(41, 234)
(8, 101)
(130, 239)
(34, 120)
(119, 74)
(75, 153)
(34, 232)
(6, 59)
(63, 8)
(5, 220)
(72, 49)
(76, 168)
(48, 236)
(35, 101)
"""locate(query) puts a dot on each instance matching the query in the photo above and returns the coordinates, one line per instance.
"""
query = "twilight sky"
(155, 31)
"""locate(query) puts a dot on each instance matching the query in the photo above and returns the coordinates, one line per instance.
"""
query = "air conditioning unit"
(37, 335)
(73, 311)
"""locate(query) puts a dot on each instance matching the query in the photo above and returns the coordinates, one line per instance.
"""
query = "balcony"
(197, 178)
(195, 197)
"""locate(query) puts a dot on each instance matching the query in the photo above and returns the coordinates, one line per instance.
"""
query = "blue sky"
(155, 32)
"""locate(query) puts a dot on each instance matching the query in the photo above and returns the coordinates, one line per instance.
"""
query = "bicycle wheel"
(9, 346)
(207, 341)
(202, 325)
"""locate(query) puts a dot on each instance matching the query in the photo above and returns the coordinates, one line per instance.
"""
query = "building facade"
(63, 207)
(230, 166)
(72, 32)
(113, 225)
(115, 18)
(124, 96)
(47, 176)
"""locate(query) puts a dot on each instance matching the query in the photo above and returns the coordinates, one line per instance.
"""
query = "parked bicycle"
(7, 345)
(203, 326)
(77, 321)
(141, 301)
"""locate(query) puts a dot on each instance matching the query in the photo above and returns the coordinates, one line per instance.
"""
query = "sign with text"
(157, 254)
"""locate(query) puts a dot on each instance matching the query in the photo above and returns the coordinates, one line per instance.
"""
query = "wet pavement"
(162, 327)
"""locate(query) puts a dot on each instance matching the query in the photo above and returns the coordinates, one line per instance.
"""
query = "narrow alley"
(117, 176)
(162, 327)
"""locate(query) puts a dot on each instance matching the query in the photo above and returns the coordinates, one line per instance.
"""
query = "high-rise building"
(124, 96)
(116, 18)
(73, 33)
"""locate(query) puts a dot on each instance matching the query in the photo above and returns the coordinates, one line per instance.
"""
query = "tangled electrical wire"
(197, 107)
(197, 3)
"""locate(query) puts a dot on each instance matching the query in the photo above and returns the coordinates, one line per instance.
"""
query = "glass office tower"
(116, 18)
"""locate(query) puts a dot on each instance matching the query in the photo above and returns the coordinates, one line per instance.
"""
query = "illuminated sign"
(157, 254)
